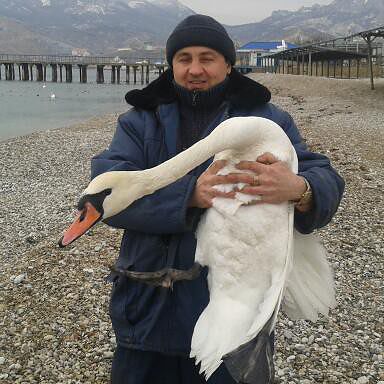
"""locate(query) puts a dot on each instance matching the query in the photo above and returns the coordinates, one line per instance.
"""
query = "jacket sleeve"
(327, 185)
(162, 212)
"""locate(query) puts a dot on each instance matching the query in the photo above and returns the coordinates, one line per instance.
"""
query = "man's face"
(199, 68)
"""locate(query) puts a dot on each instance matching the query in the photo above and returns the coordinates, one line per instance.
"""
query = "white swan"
(248, 249)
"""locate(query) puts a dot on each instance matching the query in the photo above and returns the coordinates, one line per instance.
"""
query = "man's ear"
(229, 68)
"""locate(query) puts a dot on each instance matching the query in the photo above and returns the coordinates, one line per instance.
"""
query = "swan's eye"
(83, 214)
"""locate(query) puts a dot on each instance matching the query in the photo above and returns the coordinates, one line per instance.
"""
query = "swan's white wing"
(310, 286)
(279, 286)
(273, 297)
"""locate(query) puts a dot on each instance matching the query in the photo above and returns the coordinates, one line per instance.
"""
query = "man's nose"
(196, 68)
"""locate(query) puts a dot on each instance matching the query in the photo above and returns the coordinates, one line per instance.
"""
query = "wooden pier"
(60, 68)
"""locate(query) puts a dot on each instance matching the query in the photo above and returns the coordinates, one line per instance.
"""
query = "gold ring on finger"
(255, 181)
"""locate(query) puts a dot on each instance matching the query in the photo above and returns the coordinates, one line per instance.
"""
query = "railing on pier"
(32, 67)
(56, 59)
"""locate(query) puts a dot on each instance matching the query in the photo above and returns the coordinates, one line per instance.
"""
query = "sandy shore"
(54, 326)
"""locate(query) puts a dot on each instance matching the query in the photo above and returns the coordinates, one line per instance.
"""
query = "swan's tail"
(218, 331)
(310, 286)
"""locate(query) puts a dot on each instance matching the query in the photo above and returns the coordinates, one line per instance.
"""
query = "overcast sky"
(235, 12)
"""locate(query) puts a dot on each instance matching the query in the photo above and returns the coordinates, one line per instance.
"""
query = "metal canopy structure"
(318, 53)
(354, 47)
(375, 32)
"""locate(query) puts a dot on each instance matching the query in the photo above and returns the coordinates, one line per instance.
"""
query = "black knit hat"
(200, 30)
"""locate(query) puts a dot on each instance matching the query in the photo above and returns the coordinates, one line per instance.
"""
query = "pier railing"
(56, 59)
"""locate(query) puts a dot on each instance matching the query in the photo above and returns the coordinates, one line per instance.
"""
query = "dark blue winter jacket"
(159, 228)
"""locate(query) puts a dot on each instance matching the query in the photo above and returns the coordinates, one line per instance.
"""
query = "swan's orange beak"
(85, 219)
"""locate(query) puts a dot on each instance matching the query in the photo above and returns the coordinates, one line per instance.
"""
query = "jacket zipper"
(194, 98)
(159, 123)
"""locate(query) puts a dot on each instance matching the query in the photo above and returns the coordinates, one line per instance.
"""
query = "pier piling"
(68, 73)
(127, 74)
(83, 73)
(24, 72)
(39, 69)
(134, 73)
(100, 74)
(54, 72)
(118, 74)
(9, 72)
(113, 74)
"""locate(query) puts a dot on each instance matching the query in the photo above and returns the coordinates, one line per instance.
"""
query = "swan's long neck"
(178, 166)
(236, 133)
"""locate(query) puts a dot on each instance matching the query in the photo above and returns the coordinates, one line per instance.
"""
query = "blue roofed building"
(251, 54)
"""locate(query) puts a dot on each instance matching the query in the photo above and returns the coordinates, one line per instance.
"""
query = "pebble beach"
(54, 324)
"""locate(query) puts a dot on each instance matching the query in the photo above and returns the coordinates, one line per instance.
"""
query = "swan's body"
(249, 249)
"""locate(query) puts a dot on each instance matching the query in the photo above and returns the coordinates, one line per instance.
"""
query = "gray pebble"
(108, 354)
(362, 380)
(20, 278)
(288, 334)
(291, 358)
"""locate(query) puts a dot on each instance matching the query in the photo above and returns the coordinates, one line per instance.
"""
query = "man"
(154, 326)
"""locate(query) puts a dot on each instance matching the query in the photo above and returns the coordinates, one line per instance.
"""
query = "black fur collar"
(242, 92)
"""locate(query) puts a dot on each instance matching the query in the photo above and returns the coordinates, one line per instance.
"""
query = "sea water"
(31, 106)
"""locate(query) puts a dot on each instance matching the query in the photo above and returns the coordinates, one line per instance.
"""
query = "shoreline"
(54, 302)
(29, 135)
(80, 122)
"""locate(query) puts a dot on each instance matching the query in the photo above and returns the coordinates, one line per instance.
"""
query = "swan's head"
(106, 195)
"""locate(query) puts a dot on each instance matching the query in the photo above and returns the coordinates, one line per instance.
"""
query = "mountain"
(16, 37)
(100, 26)
(319, 22)
(103, 26)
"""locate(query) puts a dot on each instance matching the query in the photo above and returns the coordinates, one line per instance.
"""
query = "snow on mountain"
(136, 4)
(166, 3)
(321, 22)
(100, 26)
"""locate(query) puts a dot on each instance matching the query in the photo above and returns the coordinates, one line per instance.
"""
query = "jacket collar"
(242, 92)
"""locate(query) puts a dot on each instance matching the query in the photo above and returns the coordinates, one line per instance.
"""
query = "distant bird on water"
(257, 261)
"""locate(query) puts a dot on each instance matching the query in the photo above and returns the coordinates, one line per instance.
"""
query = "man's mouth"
(197, 83)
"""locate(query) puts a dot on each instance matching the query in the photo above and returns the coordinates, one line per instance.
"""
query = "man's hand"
(204, 192)
(276, 182)
(272, 180)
